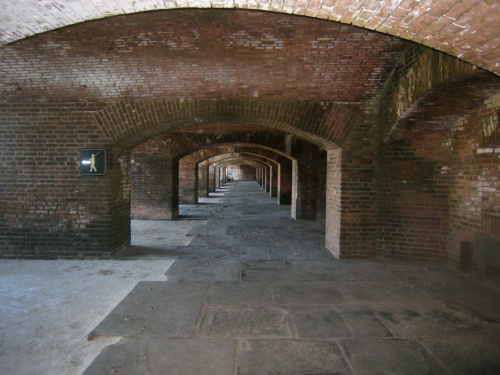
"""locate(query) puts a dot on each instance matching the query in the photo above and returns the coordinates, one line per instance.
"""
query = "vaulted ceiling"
(468, 29)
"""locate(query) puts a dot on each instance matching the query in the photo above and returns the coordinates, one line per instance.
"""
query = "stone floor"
(255, 292)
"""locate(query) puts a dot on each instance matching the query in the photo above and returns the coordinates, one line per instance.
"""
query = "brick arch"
(128, 123)
(456, 99)
(225, 148)
(466, 29)
(238, 160)
(271, 168)
(254, 156)
(189, 173)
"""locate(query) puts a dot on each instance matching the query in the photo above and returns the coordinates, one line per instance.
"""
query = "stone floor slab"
(204, 270)
(271, 276)
(474, 354)
(239, 294)
(290, 357)
(425, 319)
(322, 322)
(390, 356)
(246, 322)
(156, 309)
(162, 356)
(383, 291)
(362, 321)
(309, 294)
(264, 265)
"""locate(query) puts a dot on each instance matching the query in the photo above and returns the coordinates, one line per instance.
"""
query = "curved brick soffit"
(237, 161)
(215, 158)
(456, 99)
(128, 123)
(244, 156)
(466, 29)
(225, 148)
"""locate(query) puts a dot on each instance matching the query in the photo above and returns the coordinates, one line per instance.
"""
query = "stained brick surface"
(467, 29)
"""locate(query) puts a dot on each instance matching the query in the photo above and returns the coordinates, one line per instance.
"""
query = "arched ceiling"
(468, 29)
(201, 54)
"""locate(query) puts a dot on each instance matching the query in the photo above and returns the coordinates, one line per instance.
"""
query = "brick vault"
(380, 118)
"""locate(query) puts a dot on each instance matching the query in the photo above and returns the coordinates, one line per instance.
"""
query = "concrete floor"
(255, 292)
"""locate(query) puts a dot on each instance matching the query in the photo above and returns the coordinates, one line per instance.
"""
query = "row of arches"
(385, 130)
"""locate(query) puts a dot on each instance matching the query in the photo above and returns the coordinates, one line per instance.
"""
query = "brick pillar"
(275, 180)
(265, 177)
(321, 186)
(333, 202)
(155, 188)
(217, 177)
(120, 199)
(188, 189)
(269, 179)
(202, 179)
(307, 155)
(285, 182)
(211, 178)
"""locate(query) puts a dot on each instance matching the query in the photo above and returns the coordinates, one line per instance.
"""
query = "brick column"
(285, 182)
(203, 179)
(306, 155)
(269, 179)
(211, 178)
(333, 201)
(188, 182)
(155, 188)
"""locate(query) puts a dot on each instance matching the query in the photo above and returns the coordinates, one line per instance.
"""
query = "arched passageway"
(403, 140)
(375, 103)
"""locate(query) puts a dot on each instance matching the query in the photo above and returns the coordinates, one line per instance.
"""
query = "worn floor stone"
(156, 309)
(390, 356)
(253, 292)
(239, 294)
(290, 357)
(470, 354)
(246, 322)
(166, 356)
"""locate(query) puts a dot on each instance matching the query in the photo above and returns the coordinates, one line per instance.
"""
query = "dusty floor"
(256, 293)
(250, 292)
(48, 308)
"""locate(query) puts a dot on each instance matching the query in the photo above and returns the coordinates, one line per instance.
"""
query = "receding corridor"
(255, 292)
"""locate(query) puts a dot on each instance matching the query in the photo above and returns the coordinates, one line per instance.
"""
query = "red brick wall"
(47, 209)
(358, 227)
(475, 185)
(242, 172)
(154, 187)
(188, 183)
(413, 198)
(417, 183)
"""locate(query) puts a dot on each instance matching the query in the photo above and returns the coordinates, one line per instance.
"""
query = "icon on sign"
(93, 161)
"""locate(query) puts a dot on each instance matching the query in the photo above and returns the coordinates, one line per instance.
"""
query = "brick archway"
(130, 123)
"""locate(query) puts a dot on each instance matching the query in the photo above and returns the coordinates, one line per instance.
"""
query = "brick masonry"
(430, 195)
(466, 29)
(375, 104)
(147, 185)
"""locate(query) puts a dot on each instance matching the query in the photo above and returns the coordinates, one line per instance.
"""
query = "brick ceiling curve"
(238, 161)
(456, 99)
(468, 29)
(213, 151)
